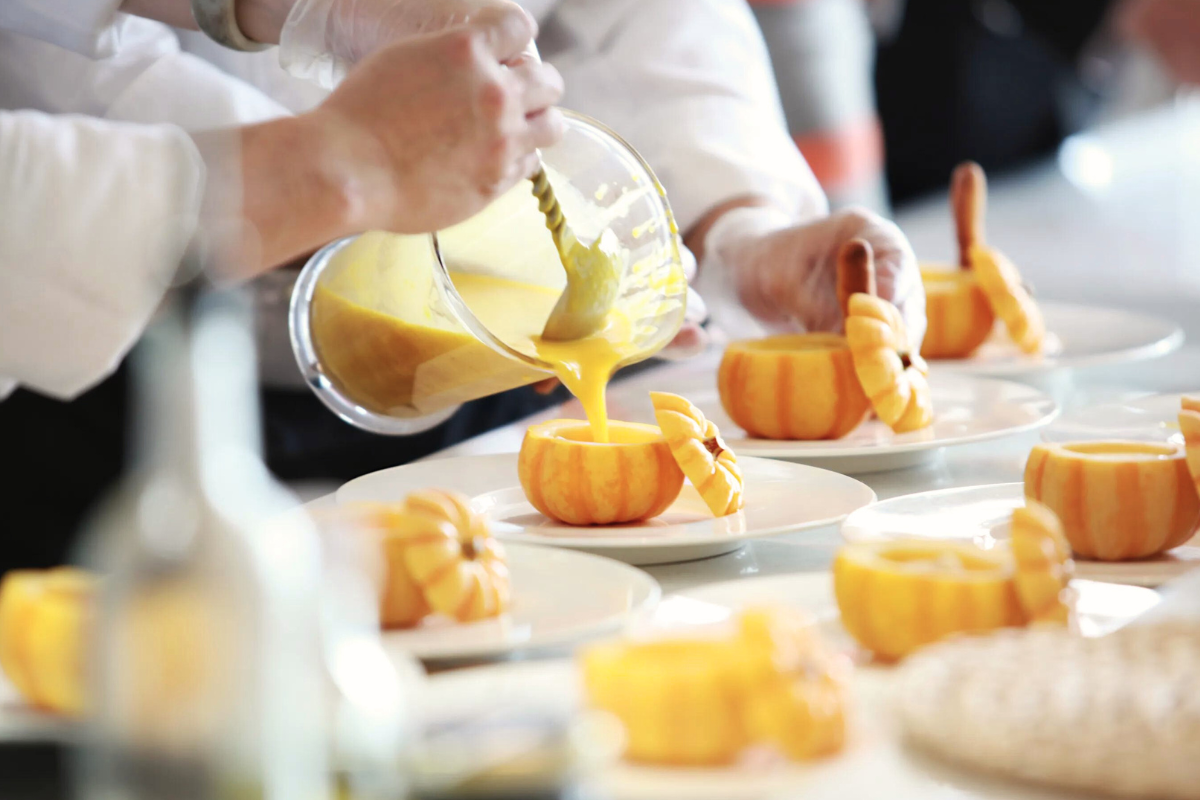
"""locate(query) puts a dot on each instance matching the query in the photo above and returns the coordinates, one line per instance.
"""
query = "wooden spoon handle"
(968, 203)
(855, 272)
(548, 205)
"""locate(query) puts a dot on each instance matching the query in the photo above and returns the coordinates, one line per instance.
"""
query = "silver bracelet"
(218, 20)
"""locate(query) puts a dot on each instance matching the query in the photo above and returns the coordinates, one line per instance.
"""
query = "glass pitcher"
(394, 332)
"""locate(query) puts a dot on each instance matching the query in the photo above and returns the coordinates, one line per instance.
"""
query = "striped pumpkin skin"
(679, 700)
(701, 701)
(440, 557)
(1116, 500)
(1189, 423)
(893, 602)
(1010, 300)
(958, 314)
(1042, 557)
(571, 479)
(44, 620)
(697, 446)
(898, 391)
(793, 386)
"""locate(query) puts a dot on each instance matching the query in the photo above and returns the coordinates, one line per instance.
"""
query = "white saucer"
(981, 514)
(966, 409)
(558, 597)
(1148, 419)
(1080, 336)
(871, 759)
(780, 498)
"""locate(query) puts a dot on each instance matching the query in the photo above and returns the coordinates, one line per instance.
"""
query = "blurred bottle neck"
(196, 399)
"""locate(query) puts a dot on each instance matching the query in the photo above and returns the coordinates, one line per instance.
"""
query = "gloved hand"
(321, 38)
(785, 274)
(441, 125)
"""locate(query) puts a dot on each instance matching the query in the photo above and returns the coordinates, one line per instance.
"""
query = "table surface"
(1111, 222)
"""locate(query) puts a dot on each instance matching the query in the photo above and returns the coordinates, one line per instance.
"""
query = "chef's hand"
(321, 38)
(1169, 27)
(439, 127)
(786, 274)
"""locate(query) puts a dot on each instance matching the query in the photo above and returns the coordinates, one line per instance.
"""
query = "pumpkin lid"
(892, 374)
(698, 449)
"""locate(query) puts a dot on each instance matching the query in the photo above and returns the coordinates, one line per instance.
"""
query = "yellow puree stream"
(379, 358)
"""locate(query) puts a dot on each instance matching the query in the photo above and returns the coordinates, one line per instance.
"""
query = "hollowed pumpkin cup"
(792, 386)
(569, 477)
(1116, 500)
(960, 317)
(895, 597)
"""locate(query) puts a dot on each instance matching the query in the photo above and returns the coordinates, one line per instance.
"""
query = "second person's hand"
(785, 273)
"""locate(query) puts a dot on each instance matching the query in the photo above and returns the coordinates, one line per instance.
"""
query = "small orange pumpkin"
(703, 456)
(1043, 564)
(895, 597)
(570, 478)
(1189, 423)
(44, 617)
(1116, 500)
(792, 386)
(891, 375)
(440, 557)
(701, 701)
(960, 317)
(1011, 301)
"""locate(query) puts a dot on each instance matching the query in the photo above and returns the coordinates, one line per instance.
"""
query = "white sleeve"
(148, 79)
(94, 219)
(84, 26)
(690, 85)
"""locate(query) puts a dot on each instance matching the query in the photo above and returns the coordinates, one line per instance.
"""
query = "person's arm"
(690, 85)
(96, 218)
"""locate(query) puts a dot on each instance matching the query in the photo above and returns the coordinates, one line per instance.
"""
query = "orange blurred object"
(702, 701)
(44, 616)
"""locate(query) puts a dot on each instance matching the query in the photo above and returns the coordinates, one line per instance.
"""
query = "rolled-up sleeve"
(95, 217)
(690, 85)
(84, 26)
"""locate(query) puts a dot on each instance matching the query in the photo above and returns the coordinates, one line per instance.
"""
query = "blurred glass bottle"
(207, 678)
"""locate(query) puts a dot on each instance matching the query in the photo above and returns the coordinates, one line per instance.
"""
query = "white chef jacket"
(687, 82)
(95, 215)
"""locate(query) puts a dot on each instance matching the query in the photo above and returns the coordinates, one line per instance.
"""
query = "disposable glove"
(785, 275)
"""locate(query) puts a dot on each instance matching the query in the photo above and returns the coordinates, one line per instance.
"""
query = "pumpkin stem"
(469, 550)
(855, 272)
(713, 446)
(968, 202)
(905, 360)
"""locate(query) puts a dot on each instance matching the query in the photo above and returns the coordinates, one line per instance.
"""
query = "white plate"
(981, 514)
(966, 410)
(1148, 419)
(872, 758)
(780, 498)
(558, 597)
(1080, 336)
